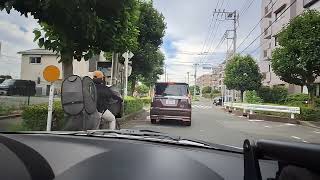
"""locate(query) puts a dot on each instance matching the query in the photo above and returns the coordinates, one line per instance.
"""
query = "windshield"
(7, 82)
(219, 71)
(166, 89)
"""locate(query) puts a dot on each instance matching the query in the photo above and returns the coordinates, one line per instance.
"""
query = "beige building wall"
(271, 11)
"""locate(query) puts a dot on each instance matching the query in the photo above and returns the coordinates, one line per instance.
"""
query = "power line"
(209, 32)
(269, 26)
(255, 26)
(245, 9)
(213, 33)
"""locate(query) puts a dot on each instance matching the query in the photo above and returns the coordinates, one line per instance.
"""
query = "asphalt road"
(212, 124)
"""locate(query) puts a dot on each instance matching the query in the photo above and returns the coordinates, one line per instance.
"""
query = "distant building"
(271, 10)
(205, 80)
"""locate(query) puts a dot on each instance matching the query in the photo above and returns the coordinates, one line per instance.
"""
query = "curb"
(10, 116)
(308, 124)
(128, 117)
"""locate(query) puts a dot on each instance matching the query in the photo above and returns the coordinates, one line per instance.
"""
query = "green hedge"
(252, 97)
(146, 100)
(132, 104)
(34, 117)
(277, 94)
(309, 114)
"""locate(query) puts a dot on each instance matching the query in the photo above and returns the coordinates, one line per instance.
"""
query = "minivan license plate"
(170, 101)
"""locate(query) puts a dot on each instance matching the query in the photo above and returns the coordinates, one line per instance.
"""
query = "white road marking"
(305, 141)
(268, 126)
(317, 132)
(289, 124)
(295, 137)
(255, 120)
(201, 106)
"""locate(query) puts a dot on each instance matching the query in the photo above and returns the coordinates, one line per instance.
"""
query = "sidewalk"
(312, 124)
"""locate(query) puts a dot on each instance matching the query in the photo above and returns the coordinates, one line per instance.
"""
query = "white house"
(34, 61)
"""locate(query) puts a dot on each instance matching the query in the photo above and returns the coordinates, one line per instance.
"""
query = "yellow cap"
(98, 74)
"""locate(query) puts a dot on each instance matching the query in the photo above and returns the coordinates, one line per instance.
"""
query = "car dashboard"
(47, 156)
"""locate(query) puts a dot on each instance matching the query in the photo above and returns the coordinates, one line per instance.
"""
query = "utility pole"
(195, 79)
(165, 73)
(188, 77)
(230, 16)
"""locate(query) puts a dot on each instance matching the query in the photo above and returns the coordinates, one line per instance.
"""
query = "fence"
(259, 107)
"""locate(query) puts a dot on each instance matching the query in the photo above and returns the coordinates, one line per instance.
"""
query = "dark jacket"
(106, 98)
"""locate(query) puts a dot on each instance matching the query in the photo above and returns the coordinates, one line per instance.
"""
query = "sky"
(191, 32)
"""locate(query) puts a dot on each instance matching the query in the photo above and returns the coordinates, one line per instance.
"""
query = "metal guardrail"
(259, 107)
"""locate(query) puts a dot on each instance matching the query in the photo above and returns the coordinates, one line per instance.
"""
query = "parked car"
(171, 101)
(218, 101)
(18, 87)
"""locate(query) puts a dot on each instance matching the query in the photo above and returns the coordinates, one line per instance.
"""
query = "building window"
(269, 68)
(265, 53)
(276, 41)
(35, 60)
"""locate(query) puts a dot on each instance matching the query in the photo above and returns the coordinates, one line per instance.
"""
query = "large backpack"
(79, 99)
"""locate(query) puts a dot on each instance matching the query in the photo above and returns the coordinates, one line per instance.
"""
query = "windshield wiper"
(137, 133)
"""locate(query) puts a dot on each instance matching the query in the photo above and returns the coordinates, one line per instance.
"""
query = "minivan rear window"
(167, 89)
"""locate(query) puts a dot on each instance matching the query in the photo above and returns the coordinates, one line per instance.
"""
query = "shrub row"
(277, 94)
(132, 104)
(35, 116)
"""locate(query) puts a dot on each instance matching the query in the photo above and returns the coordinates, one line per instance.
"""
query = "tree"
(206, 90)
(242, 74)
(147, 62)
(297, 60)
(191, 89)
(80, 29)
(142, 89)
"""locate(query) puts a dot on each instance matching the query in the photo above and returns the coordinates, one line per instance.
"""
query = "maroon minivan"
(171, 101)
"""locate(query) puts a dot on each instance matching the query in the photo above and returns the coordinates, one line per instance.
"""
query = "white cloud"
(15, 35)
(187, 27)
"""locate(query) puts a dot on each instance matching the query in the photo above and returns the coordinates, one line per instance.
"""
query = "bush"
(207, 95)
(35, 117)
(309, 114)
(277, 94)
(206, 90)
(297, 100)
(5, 110)
(146, 100)
(252, 97)
(132, 104)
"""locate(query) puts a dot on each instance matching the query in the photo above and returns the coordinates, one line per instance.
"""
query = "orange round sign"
(51, 73)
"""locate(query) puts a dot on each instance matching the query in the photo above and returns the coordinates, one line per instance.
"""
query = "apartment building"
(277, 14)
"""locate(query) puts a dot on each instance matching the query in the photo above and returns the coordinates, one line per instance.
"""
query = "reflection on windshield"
(7, 82)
